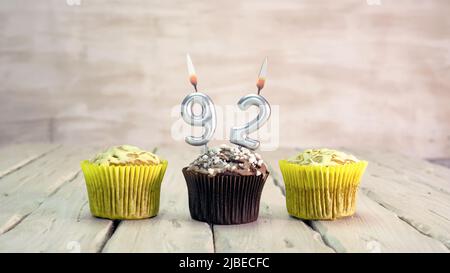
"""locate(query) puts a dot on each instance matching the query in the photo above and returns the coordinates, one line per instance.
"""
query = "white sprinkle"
(211, 171)
(258, 173)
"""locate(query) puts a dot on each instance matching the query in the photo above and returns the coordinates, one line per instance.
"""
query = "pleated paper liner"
(321, 192)
(224, 199)
(123, 192)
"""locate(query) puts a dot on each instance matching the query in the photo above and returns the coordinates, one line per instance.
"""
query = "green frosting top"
(125, 155)
(323, 157)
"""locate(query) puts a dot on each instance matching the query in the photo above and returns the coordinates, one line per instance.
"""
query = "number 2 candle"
(239, 135)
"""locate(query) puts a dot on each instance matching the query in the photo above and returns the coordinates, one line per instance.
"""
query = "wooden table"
(403, 206)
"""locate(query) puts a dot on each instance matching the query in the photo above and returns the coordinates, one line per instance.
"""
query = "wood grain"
(17, 156)
(63, 223)
(172, 230)
(416, 190)
(375, 229)
(274, 231)
(384, 228)
(23, 192)
(413, 169)
(421, 205)
(403, 206)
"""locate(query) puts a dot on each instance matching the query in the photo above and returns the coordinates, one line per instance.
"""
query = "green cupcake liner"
(123, 192)
(321, 192)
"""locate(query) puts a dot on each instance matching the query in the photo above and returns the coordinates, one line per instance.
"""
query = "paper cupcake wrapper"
(224, 199)
(321, 192)
(123, 192)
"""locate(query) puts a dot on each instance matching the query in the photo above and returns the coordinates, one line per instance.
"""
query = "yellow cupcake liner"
(123, 192)
(321, 192)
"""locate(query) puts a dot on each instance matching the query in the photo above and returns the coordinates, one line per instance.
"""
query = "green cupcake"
(124, 182)
(322, 184)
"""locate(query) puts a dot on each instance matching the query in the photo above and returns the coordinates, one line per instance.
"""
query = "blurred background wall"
(370, 74)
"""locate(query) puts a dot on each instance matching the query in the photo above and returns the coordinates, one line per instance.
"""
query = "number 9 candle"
(239, 135)
(207, 117)
(225, 183)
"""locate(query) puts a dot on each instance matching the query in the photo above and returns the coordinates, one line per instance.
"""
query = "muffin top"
(323, 157)
(229, 160)
(125, 155)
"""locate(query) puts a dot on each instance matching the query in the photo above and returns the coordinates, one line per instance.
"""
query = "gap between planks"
(424, 242)
(59, 220)
(18, 156)
(24, 191)
(273, 231)
(415, 190)
(110, 230)
(172, 230)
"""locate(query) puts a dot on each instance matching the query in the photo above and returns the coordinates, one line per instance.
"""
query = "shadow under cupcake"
(225, 185)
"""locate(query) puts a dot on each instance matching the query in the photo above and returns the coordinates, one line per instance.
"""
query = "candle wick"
(195, 87)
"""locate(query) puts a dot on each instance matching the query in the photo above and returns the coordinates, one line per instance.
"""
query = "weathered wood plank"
(424, 207)
(16, 156)
(413, 169)
(22, 192)
(275, 230)
(63, 223)
(375, 227)
(172, 230)
(414, 189)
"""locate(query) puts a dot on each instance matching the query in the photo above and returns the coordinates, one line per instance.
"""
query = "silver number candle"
(207, 117)
(239, 135)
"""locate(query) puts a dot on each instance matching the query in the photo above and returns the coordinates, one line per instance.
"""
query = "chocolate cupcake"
(225, 185)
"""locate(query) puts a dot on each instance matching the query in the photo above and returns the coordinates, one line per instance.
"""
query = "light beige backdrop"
(355, 73)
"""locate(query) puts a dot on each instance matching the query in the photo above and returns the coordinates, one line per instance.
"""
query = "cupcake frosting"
(125, 155)
(323, 157)
(229, 160)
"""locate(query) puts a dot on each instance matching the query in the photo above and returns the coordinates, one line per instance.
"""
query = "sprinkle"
(225, 158)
